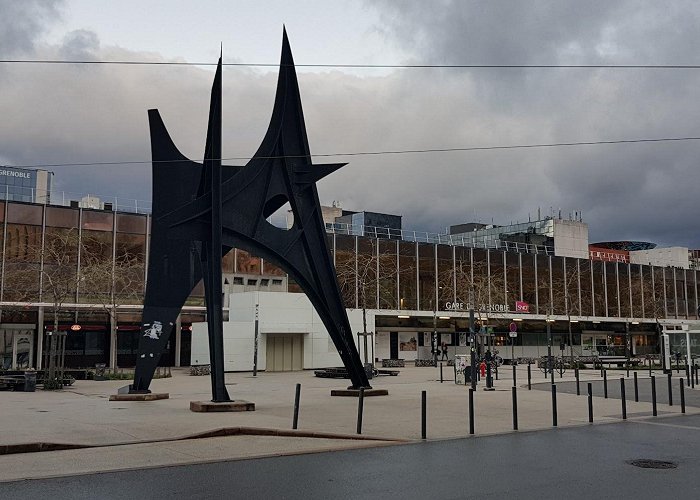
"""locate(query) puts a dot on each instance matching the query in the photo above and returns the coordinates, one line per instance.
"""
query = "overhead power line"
(378, 153)
(359, 66)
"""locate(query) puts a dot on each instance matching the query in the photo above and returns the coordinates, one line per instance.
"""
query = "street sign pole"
(513, 335)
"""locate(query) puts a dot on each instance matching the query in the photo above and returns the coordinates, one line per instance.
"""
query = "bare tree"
(474, 287)
(372, 274)
(110, 283)
(48, 273)
(566, 288)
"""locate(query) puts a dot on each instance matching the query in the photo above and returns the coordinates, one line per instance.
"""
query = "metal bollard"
(670, 391)
(682, 397)
(623, 398)
(605, 384)
(687, 374)
(515, 408)
(295, 419)
(590, 403)
(495, 369)
(529, 378)
(554, 405)
(692, 377)
(515, 378)
(423, 415)
(653, 396)
(360, 409)
(471, 411)
(441, 373)
(578, 387)
(636, 388)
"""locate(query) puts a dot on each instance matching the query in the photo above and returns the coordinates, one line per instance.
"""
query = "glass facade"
(42, 244)
(421, 275)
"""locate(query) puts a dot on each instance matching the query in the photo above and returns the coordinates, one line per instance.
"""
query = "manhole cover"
(646, 463)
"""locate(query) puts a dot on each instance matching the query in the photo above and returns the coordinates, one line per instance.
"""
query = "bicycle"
(559, 364)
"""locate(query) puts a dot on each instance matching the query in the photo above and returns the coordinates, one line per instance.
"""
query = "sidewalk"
(82, 414)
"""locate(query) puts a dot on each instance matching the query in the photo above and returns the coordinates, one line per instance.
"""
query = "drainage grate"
(646, 463)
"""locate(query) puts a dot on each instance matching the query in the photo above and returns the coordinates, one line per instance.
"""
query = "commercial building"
(21, 184)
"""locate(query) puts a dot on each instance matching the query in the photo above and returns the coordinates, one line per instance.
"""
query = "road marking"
(668, 425)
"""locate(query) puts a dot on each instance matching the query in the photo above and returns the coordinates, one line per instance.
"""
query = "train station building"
(406, 289)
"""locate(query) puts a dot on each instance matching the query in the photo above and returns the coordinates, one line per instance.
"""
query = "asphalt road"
(573, 463)
(692, 396)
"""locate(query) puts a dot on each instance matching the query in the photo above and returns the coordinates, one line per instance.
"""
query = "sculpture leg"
(215, 326)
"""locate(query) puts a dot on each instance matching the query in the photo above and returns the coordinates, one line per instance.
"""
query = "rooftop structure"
(566, 238)
(625, 245)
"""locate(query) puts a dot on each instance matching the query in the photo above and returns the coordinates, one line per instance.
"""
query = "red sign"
(522, 307)
(513, 327)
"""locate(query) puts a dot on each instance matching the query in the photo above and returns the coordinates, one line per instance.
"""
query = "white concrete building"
(663, 257)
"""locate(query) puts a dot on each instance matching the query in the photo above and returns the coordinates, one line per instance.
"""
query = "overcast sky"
(91, 113)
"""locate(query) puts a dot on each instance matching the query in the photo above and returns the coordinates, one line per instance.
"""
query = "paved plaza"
(572, 463)
(134, 435)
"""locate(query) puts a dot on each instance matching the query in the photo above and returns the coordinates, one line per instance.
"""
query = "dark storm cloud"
(635, 191)
(98, 113)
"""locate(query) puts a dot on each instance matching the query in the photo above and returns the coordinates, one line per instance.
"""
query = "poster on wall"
(407, 342)
(445, 338)
(426, 338)
(463, 338)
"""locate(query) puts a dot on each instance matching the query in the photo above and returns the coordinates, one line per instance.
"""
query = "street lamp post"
(435, 334)
(472, 347)
(550, 364)
(364, 330)
(627, 347)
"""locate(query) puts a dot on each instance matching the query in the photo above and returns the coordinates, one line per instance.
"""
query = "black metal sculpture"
(201, 211)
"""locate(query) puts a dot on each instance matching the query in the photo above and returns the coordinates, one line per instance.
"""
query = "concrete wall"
(278, 313)
(666, 257)
(570, 238)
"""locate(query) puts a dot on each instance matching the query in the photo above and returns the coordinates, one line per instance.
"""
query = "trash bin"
(29, 381)
(100, 371)
(369, 370)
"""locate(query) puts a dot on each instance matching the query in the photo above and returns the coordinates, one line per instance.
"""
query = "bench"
(12, 382)
(620, 361)
(393, 363)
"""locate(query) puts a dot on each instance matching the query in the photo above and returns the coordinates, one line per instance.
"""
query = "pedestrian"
(444, 351)
(482, 368)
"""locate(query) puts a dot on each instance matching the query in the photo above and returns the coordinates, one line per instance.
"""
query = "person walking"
(444, 351)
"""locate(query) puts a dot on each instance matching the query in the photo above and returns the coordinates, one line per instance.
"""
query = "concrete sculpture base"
(210, 406)
(151, 396)
(355, 393)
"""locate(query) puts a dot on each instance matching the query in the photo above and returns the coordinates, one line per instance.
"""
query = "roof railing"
(439, 238)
